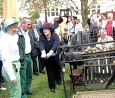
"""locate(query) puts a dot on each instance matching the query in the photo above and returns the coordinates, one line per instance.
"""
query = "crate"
(95, 94)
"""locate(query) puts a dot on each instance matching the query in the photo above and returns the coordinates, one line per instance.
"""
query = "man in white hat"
(10, 57)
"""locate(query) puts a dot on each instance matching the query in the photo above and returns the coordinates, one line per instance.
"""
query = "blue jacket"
(52, 44)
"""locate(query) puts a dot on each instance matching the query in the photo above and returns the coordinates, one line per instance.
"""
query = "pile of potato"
(99, 49)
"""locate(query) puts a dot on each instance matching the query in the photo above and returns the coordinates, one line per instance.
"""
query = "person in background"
(78, 31)
(104, 38)
(35, 48)
(36, 51)
(49, 42)
(1, 77)
(63, 25)
(25, 45)
(10, 57)
(57, 22)
(39, 23)
(94, 28)
(110, 24)
(71, 26)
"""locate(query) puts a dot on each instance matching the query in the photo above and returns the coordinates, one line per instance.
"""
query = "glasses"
(29, 24)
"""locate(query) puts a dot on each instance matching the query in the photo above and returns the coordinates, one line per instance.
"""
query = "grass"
(41, 90)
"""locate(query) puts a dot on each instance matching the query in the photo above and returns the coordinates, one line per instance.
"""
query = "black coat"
(34, 43)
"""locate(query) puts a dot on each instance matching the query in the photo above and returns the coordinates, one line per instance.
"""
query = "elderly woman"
(104, 38)
(49, 42)
(110, 25)
(10, 57)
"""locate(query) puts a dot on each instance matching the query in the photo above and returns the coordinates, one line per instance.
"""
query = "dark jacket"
(34, 43)
(21, 42)
(49, 45)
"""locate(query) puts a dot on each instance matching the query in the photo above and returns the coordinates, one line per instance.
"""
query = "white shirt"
(27, 42)
(78, 27)
(36, 33)
(57, 30)
(71, 27)
(10, 52)
(105, 45)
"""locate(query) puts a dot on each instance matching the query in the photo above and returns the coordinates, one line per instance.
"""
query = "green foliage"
(1, 7)
(34, 14)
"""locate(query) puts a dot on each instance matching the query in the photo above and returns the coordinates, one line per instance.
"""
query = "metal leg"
(72, 87)
(64, 85)
(62, 74)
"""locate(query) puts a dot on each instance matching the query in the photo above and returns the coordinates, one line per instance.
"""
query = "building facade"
(99, 6)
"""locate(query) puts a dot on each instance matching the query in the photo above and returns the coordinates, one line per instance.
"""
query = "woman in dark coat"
(49, 42)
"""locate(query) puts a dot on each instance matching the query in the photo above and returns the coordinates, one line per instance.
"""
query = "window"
(98, 8)
(53, 12)
(98, 11)
(52, 9)
(93, 11)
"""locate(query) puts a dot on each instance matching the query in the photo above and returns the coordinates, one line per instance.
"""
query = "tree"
(34, 14)
(33, 6)
(85, 10)
(44, 5)
(1, 7)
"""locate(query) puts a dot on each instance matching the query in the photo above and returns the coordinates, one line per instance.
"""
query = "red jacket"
(108, 28)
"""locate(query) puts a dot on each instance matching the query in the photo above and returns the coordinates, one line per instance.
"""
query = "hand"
(14, 81)
(43, 55)
(48, 54)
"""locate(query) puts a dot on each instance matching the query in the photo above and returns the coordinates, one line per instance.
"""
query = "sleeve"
(41, 43)
(56, 42)
(7, 63)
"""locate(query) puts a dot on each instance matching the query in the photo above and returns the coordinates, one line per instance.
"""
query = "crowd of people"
(27, 46)
(21, 43)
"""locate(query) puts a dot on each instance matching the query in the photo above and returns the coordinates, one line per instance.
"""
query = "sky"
(21, 13)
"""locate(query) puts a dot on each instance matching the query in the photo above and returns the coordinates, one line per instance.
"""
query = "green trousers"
(26, 75)
(15, 89)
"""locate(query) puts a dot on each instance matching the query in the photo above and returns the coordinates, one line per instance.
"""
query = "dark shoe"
(42, 72)
(36, 73)
(29, 93)
(52, 90)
